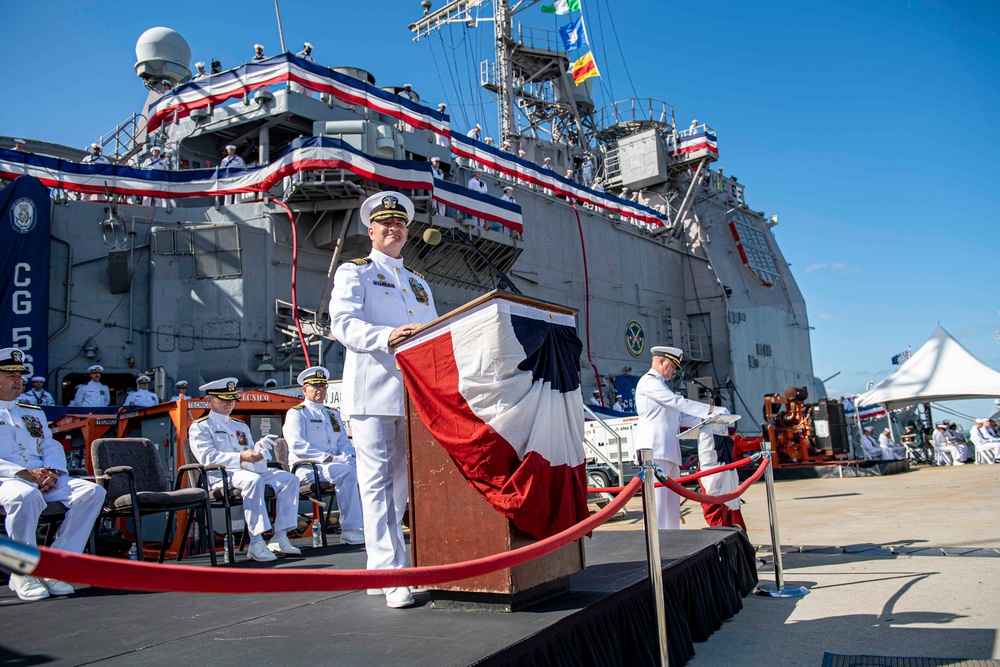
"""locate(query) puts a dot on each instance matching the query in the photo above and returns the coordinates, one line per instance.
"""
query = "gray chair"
(132, 473)
(313, 491)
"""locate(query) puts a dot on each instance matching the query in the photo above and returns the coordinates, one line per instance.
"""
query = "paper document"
(711, 420)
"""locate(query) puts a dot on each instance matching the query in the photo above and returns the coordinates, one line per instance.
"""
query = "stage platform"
(606, 619)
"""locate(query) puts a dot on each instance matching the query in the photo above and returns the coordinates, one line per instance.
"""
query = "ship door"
(120, 385)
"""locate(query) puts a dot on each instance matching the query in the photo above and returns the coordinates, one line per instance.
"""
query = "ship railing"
(635, 111)
(122, 139)
(539, 38)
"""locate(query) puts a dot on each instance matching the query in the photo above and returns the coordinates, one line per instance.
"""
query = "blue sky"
(869, 128)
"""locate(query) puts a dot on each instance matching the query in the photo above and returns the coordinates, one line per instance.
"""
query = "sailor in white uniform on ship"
(93, 394)
(438, 174)
(660, 411)
(987, 445)
(218, 439)
(258, 53)
(37, 394)
(232, 161)
(304, 54)
(180, 391)
(619, 405)
(32, 473)
(595, 398)
(155, 162)
(508, 194)
(201, 73)
(586, 171)
(477, 184)
(474, 132)
(315, 432)
(95, 157)
(947, 451)
(872, 451)
(142, 397)
(890, 450)
(377, 301)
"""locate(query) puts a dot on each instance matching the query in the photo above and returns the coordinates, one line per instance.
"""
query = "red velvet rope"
(717, 500)
(687, 478)
(134, 576)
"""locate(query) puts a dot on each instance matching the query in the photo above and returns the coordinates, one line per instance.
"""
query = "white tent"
(941, 370)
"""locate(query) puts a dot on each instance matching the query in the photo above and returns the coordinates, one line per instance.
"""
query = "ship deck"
(606, 619)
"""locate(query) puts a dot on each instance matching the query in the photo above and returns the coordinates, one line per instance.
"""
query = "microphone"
(431, 238)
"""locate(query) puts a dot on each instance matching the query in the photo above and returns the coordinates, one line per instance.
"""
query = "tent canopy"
(941, 370)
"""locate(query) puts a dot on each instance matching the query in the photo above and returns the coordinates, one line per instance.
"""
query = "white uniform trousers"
(253, 485)
(345, 476)
(988, 451)
(668, 503)
(380, 445)
(24, 504)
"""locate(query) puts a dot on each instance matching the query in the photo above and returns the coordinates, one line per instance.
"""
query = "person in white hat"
(660, 411)
(890, 450)
(201, 73)
(595, 398)
(476, 182)
(142, 397)
(37, 394)
(438, 173)
(474, 132)
(19, 145)
(218, 439)
(508, 194)
(180, 391)
(407, 92)
(987, 445)
(258, 53)
(32, 473)
(315, 432)
(377, 301)
(872, 450)
(155, 160)
(306, 52)
(440, 139)
(946, 450)
(619, 404)
(232, 160)
(166, 86)
(586, 171)
(93, 394)
(95, 156)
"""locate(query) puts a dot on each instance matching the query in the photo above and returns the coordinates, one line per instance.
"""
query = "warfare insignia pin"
(419, 292)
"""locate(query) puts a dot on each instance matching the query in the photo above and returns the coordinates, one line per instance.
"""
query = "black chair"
(132, 474)
(313, 491)
(223, 497)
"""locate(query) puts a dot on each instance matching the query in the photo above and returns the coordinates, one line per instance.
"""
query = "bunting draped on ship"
(523, 170)
(244, 80)
(498, 387)
(690, 141)
(303, 155)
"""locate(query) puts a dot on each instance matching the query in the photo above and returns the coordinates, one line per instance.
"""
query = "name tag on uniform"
(316, 421)
(222, 432)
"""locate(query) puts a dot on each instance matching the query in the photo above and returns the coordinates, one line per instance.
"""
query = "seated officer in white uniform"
(660, 411)
(37, 394)
(944, 445)
(180, 389)
(377, 301)
(314, 432)
(93, 394)
(218, 439)
(142, 397)
(890, 450)
(33, 473)
(872, 451)
(987, 445)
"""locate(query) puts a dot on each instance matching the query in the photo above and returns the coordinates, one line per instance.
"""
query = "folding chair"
(131, 471)
(313, 491)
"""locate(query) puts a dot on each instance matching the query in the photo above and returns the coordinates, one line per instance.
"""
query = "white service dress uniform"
(872, 449)
(26, 444)
(92, 395)
(33, 397)
(141, 398)
(890, 450)
(370, 298)
(948, 452)
(660, 412)
(314, 432)
(987, 446)
(219, 440)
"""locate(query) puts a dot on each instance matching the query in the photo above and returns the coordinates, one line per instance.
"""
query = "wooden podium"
(451, 523)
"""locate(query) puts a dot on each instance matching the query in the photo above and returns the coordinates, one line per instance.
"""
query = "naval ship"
(199, 272)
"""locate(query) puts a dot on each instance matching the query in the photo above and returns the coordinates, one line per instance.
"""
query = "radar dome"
(161, 53)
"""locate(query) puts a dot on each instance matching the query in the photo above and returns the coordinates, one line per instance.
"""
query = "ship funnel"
(161, 53)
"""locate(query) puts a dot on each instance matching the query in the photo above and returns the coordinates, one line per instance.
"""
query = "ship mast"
(505, 99)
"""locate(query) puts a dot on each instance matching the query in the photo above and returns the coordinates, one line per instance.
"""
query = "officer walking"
(142, 397)
(315, 432)
(37, 394)
(218, 439)
(33, 473)
(93, 394)
(660, 412)
(377, 301)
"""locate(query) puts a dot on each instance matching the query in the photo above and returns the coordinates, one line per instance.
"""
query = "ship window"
(172, 241)
(217, 251)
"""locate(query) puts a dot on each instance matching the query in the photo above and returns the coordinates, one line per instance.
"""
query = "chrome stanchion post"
(647, 469)
(778, 590)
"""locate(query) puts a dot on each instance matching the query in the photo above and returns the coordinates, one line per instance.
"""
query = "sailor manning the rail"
(93, 394)
(218, 439)
(315, 432)
(37, 394)
(33, 473)
(377, 301)
(660, 411)
(142, 397)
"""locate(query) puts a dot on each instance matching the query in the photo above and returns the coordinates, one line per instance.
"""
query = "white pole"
(281, 33)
